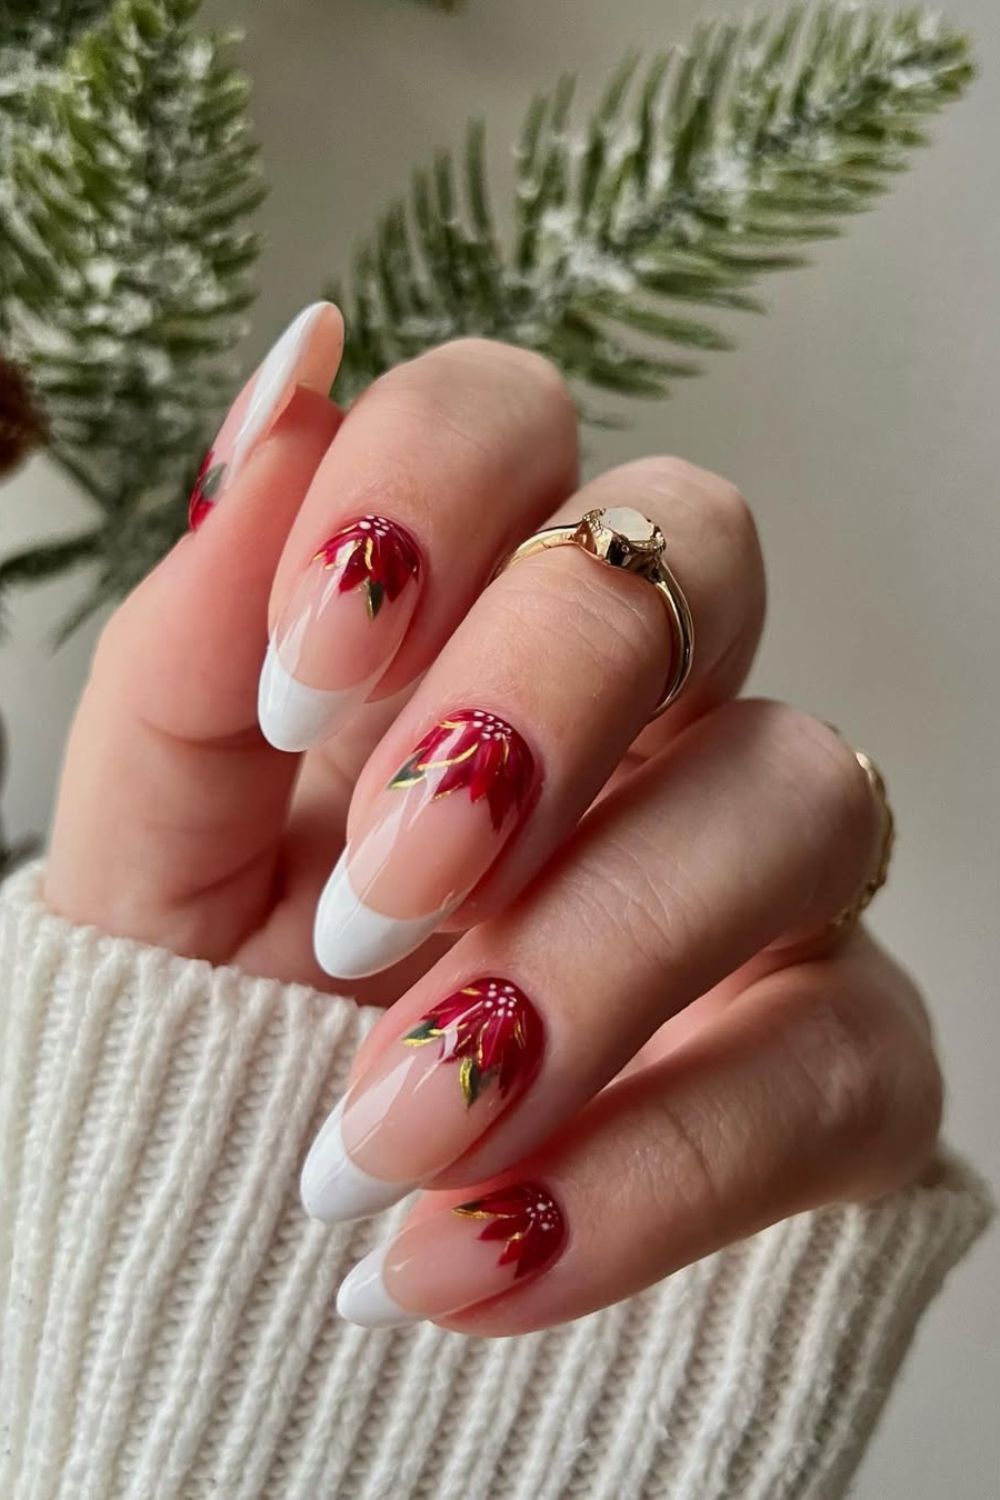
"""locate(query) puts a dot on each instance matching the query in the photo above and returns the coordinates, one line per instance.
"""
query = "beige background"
(860, 418)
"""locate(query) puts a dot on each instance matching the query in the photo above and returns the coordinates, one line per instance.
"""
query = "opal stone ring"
(624, 538)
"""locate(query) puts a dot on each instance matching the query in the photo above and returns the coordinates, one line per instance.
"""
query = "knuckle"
(453, 387)
(842, 1056)
(920, 1081)
(735, 527)
(926, 1113)
(518, 370)
(509, 360)
(823, 779)
(876, 1086)
(718, 501)
(724, 506)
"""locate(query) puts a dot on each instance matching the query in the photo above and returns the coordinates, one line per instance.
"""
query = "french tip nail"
(319, 375)
(351, 941)
(363, 1299)
(293, 716)
(333, 1188)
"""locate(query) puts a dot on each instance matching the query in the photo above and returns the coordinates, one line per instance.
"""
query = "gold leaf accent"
(473, 1211)
(454, 760)
(467, 1080)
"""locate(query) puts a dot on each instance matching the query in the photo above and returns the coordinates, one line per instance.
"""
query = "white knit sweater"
(166, 1308)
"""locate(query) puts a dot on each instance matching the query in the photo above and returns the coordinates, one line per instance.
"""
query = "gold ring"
(625, 538)
(849, 917)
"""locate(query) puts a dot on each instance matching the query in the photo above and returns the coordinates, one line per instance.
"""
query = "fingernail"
(307, 354)
(456, 1258)
(428, 839)
(425, 1101)
(339, 630)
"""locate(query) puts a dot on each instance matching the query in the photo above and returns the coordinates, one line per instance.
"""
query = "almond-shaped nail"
(425, 1100)
(456, 1258)
(307, 354)
(426, 842)
(338, 631)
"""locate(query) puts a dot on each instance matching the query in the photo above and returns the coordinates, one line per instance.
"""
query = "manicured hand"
(619, 1029)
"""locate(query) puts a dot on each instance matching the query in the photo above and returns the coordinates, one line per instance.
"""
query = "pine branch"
(128, 180)
(696, 175)
(127, 187)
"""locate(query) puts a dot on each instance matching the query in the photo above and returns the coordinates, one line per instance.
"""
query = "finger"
(758, 823)
(820, 1085)
(166, 774)
(527, 712)
(440, 466)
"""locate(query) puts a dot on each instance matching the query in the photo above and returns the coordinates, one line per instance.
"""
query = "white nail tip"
(293, 716)
(352, 941)
(333, 1188)
(363, 1299)
(271, 389)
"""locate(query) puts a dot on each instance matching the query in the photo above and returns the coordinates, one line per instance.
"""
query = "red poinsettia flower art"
(477, 752)
(528, 1221)
(491, 1030)
(206, 486)
(375, 555)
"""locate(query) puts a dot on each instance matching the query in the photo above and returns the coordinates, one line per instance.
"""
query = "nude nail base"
(457, 1258)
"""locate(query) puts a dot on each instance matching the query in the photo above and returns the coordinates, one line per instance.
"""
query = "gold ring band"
(626, 539)
(851, 914)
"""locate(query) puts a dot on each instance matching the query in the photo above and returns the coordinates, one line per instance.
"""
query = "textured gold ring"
(849, 917)
(624, 538)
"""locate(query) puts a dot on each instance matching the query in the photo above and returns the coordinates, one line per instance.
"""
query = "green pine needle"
(697, 173)
(128, 183)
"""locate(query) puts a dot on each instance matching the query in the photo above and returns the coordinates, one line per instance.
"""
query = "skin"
(679, 929)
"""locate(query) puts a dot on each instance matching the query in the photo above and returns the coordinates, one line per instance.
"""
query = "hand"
(646, 1044)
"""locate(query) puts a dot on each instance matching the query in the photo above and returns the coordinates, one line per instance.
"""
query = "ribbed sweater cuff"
(166, 1308)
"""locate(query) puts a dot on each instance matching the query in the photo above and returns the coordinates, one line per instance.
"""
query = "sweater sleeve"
(166, 1309)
